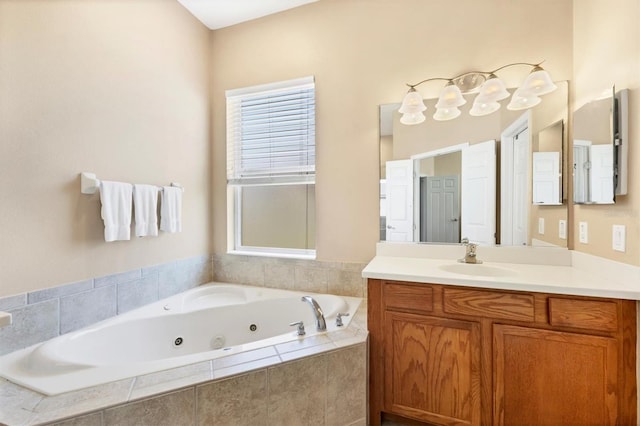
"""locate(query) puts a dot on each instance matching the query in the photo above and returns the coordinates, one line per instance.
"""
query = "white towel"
(171, 209)
(116, 210)
(145, 201)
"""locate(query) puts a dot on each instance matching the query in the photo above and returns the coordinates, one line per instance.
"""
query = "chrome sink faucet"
(321, 324)
(470, 254)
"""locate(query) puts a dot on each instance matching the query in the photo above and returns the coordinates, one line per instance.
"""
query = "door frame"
(580, 176)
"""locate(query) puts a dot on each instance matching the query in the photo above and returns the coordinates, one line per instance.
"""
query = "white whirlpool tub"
(204, 323)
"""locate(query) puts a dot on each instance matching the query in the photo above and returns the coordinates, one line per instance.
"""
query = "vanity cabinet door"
(432, 368)
(545, 377)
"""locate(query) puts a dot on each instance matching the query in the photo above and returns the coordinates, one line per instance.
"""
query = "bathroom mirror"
(599, 150)
(422, 182)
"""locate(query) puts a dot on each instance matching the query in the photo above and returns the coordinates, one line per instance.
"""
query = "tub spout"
(321, 324)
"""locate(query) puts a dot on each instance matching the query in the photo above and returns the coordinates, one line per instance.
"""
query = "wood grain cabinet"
(432, 368)
(448, 355)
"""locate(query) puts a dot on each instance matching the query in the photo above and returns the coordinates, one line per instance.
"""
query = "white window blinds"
(271, 133)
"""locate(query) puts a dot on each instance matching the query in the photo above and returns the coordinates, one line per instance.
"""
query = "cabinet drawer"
(489, 304)
(587, 314)
(408, 297)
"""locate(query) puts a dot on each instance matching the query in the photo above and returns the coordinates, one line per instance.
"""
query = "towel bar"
(89, 183)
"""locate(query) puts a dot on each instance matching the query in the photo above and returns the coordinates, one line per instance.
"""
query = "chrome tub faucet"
(321, 324)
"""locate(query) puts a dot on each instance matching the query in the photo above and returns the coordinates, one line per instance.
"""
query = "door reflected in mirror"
(489, 178)
(439, 186)
(547, 165)
(593, 152)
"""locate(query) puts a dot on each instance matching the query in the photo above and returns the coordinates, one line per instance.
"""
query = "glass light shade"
(483, 108)
(444, 114)
(411, 118)
(523, 100)
(450, 97)
(493, 90)
(412, 103)
(539, 82)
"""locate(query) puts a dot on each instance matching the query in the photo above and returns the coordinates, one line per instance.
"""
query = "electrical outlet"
(584, 232)
(541, 225)
(562, 229)
(619, 237)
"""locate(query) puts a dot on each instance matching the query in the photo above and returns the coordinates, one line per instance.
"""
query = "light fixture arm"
(510, 65)
(428, 79)
(486, 73)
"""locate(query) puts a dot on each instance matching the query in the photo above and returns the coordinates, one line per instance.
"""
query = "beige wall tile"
(279, 276)
(242, 357)
(345, 283)
(244, 367)
(311, 279)
(241, 271)
(173, 409)
(297, 392)
(237, 401)
(83, 401)
(94, 419)
(346, 385)
(291, 274)
(168, 380)
(303, 343)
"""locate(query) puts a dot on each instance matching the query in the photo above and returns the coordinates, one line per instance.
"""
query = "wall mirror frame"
(473, 176)
(600, 146)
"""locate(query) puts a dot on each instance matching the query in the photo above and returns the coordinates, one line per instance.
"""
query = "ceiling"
(217, 14)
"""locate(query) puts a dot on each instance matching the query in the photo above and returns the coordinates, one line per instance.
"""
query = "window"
(271, 168)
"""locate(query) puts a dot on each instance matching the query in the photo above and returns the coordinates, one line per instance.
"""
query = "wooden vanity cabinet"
(448, 355)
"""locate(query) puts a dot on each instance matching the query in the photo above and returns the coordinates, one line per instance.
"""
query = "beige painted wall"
(386, 154)
(362, 52)
(449, 164)
(607, 52)
(118, 88)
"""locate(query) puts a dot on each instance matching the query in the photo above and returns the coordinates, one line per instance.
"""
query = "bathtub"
(204, 323)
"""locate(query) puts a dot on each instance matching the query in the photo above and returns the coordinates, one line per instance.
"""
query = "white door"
(478, 193)
(601, 173)
(400, 200)
(515, 147)
(440, 209)
(546, 178)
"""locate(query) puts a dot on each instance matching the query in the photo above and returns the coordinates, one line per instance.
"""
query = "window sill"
(308, 255)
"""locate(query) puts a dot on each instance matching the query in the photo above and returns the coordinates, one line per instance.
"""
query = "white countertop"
(611, 279)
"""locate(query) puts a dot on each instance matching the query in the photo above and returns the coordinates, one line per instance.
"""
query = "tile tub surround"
(43, 314)
(319, 380)
(340, 278)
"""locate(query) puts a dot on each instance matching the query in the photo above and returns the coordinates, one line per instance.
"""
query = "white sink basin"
(475, 269)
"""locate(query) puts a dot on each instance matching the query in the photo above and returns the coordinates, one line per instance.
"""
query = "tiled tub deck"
(320, 380)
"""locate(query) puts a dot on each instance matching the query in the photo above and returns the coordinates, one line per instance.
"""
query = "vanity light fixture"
(490, 90)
